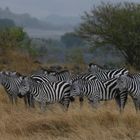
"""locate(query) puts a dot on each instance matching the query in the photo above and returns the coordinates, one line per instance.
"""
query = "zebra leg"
(94, 103)
(65, 102)
(81, 100)
(72, 99)
(139, 103)
(119, 103)
(25, 100)
(117, 99)
(11, 98)
(32, 101)
(43, 106)
(15, 99)
(136, 103)
(123, 100)
(28, 99)
(94, 99)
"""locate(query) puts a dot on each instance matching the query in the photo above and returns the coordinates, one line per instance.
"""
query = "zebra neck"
(6, 82)
(132, 86)
(33, 87)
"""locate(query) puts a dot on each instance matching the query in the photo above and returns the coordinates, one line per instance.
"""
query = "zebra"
(11, 82)
(47, 92)
(10, 85)
(84, 76)
(88, 77)
(96, 91)
(103, 74)
(131, 84)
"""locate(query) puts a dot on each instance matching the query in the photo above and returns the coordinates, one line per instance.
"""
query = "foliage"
(116, 25)
(71, 40)
(11, 37)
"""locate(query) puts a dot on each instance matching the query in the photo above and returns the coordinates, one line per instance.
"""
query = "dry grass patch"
(18, 122)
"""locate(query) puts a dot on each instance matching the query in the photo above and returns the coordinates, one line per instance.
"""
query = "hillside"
(50, 23)
(49, 27)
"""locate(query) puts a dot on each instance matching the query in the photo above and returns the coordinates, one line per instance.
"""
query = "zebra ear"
(130, 76)
(4, 72)
(91, 64)
(1, 72)
(17, 73)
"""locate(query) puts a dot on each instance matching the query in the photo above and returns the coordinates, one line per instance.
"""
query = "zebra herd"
(51, 86)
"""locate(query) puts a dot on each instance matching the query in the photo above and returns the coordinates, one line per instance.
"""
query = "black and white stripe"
(62, 75)
(96, 90)
(103, 74)
(131, 84)
(47, 92)
(11, 82)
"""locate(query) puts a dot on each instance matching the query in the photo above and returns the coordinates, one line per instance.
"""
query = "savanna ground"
(105, 123)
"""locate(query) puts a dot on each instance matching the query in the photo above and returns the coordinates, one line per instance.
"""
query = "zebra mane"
(63, 71)
(51, 71)
(130, 75)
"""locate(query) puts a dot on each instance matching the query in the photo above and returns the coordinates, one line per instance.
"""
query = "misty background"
(48, 22)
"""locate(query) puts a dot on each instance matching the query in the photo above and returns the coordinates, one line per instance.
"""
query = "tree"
(11, 37)
(71, 40)
(114, 24)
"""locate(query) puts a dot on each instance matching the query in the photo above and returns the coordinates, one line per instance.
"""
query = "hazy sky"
(42, 8)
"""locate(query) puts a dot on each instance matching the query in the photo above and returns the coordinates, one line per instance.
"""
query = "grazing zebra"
(131, 84)
(46, 92)
(97, 91)
(102, 74)
(11, 82)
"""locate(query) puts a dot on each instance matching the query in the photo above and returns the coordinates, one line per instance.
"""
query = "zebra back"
(103, 74)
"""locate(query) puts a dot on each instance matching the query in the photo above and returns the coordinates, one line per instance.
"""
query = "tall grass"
(106, 123)
(21, 123)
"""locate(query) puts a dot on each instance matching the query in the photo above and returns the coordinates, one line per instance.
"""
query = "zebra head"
(122, 82)
(24, 86)
(75, 89)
